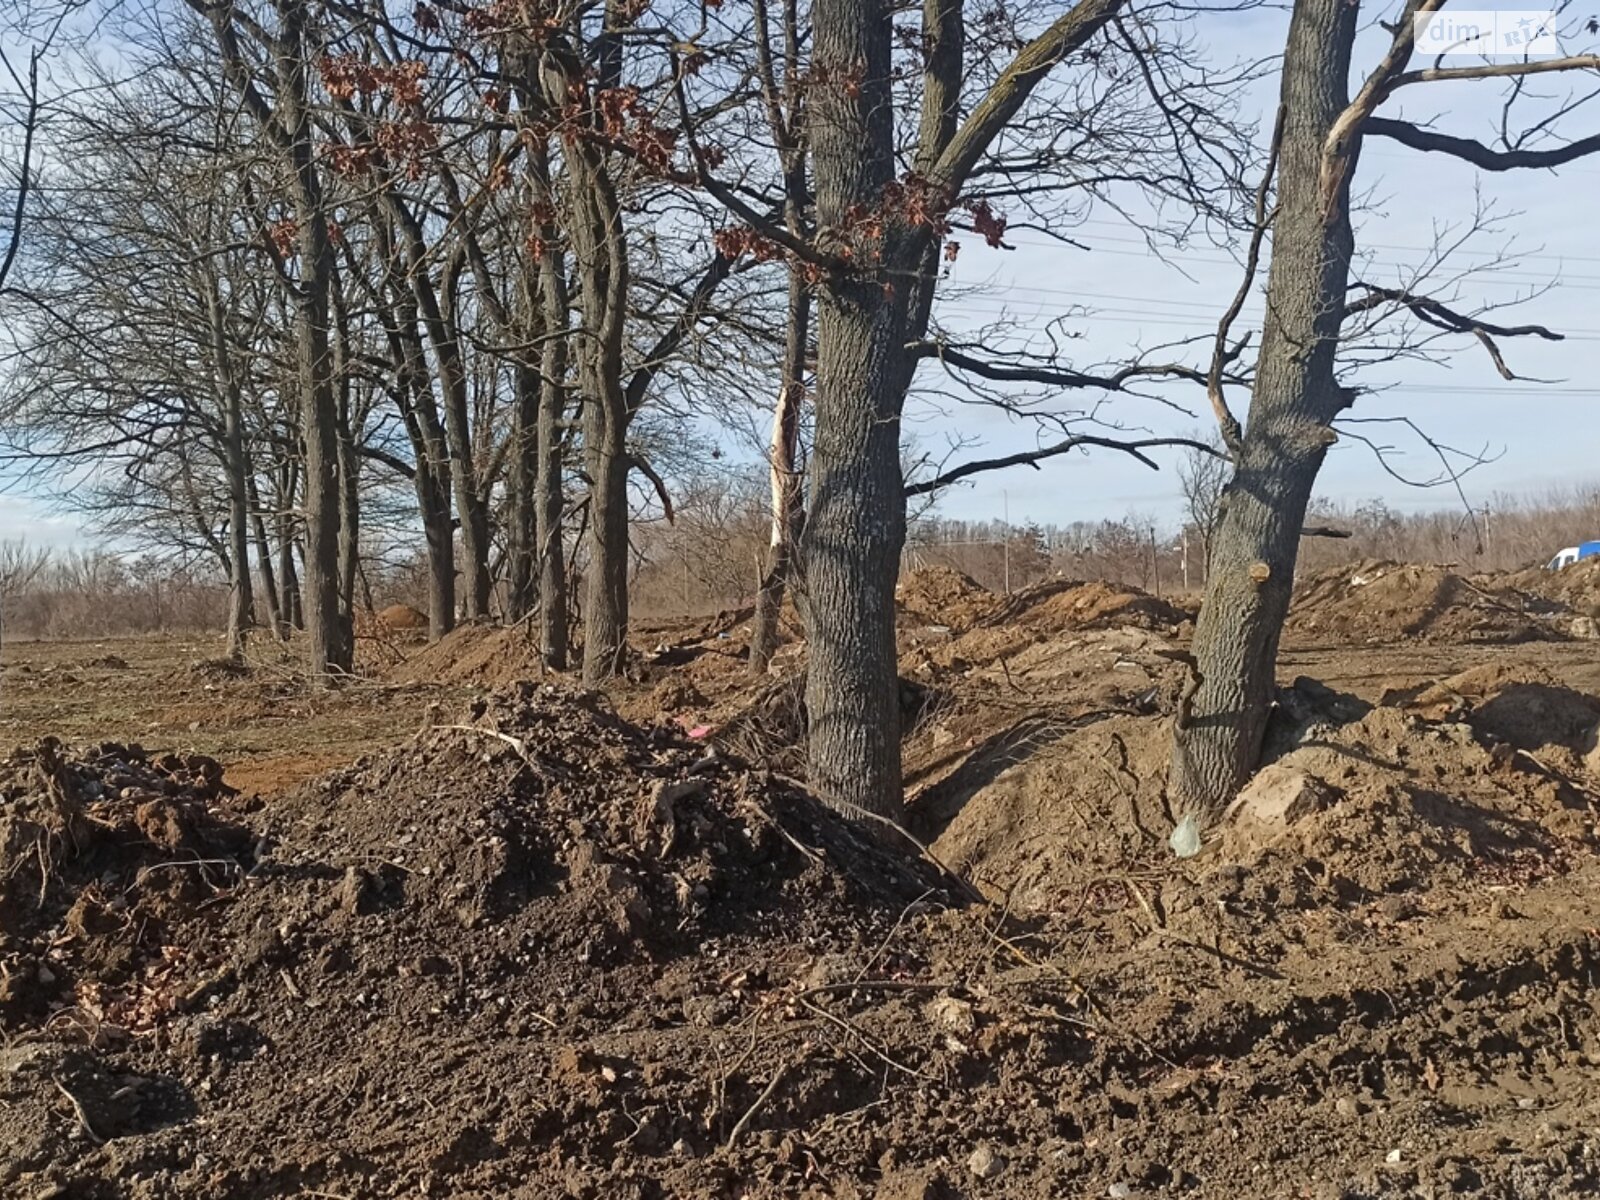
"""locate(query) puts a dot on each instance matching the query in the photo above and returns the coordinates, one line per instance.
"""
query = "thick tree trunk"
(856, 524)
(605, 617)
(600, 250)
(327, 621)
(1220, 725)
(783, 454)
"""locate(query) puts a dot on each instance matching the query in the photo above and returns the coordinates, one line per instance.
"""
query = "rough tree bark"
(866, 320)
(856, 525)
(1296, 395)
(522, 466)
(1223, 717)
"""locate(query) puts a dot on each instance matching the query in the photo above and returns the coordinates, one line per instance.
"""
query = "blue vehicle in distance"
(1574, 554)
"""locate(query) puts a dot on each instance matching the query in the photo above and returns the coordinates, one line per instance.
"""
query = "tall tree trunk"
(605, 617)
(549, 493)
(522, 469)
(269, 579)
(1222, 720)
(856, 524)
(471, 504)
(349, 462)
(327, 621)
(349, 516)
(241, 600)
(431, 480)
(786, 503)
(601, 254)
(293, 608)
(450, 369)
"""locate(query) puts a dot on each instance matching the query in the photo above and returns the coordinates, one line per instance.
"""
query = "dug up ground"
(461, 930)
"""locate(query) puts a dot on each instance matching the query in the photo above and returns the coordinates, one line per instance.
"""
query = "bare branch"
(1221, 354)
(1475, 152)
(1432, 312)
(1032, 458)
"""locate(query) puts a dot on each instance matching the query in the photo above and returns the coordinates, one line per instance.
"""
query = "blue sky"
(1545, 435)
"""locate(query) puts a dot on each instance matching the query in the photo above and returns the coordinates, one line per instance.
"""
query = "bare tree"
(267, 61)
(1298, 393)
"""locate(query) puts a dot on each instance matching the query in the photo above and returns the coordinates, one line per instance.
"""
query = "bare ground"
(537, 949)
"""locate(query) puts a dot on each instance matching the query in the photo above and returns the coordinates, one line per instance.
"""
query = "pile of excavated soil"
(490, 655)
(704, 652)
(401, 618)
(103, 853)
(1575, 589)
(542, 952)
(1402, 798)
(555, 954)
(1093, 605)
(1043, 615)
(944, 598)
(1386, 602)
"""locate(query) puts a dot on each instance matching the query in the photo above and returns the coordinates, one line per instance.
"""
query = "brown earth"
(267, 725)
(1576, 587)
(944, 598)
(1374, 601)
(537, 950)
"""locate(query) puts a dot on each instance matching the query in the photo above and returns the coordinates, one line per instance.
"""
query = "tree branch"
(1432, 312)
(1221, 354)
(1015, 84)
(1032, 458)
(642, 465)
(30, 124)
(1051, 376)
(1476, 152)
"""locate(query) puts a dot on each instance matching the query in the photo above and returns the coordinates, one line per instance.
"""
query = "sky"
(1542, 434)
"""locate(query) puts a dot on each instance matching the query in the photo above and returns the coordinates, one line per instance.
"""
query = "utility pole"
(1155, 564)
(1185, 545)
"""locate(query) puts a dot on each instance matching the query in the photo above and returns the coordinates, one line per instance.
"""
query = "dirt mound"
(1520, 707)
(400, 618)
(1042, 616)
(945, 597)
(1387, 801)
(520, 953)
(1575, 589)
(1093, 605)
(1383, 602)
(103, 852)
(542, 952)
(490, 655)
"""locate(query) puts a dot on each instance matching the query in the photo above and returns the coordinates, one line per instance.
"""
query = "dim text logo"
(1487, 33)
